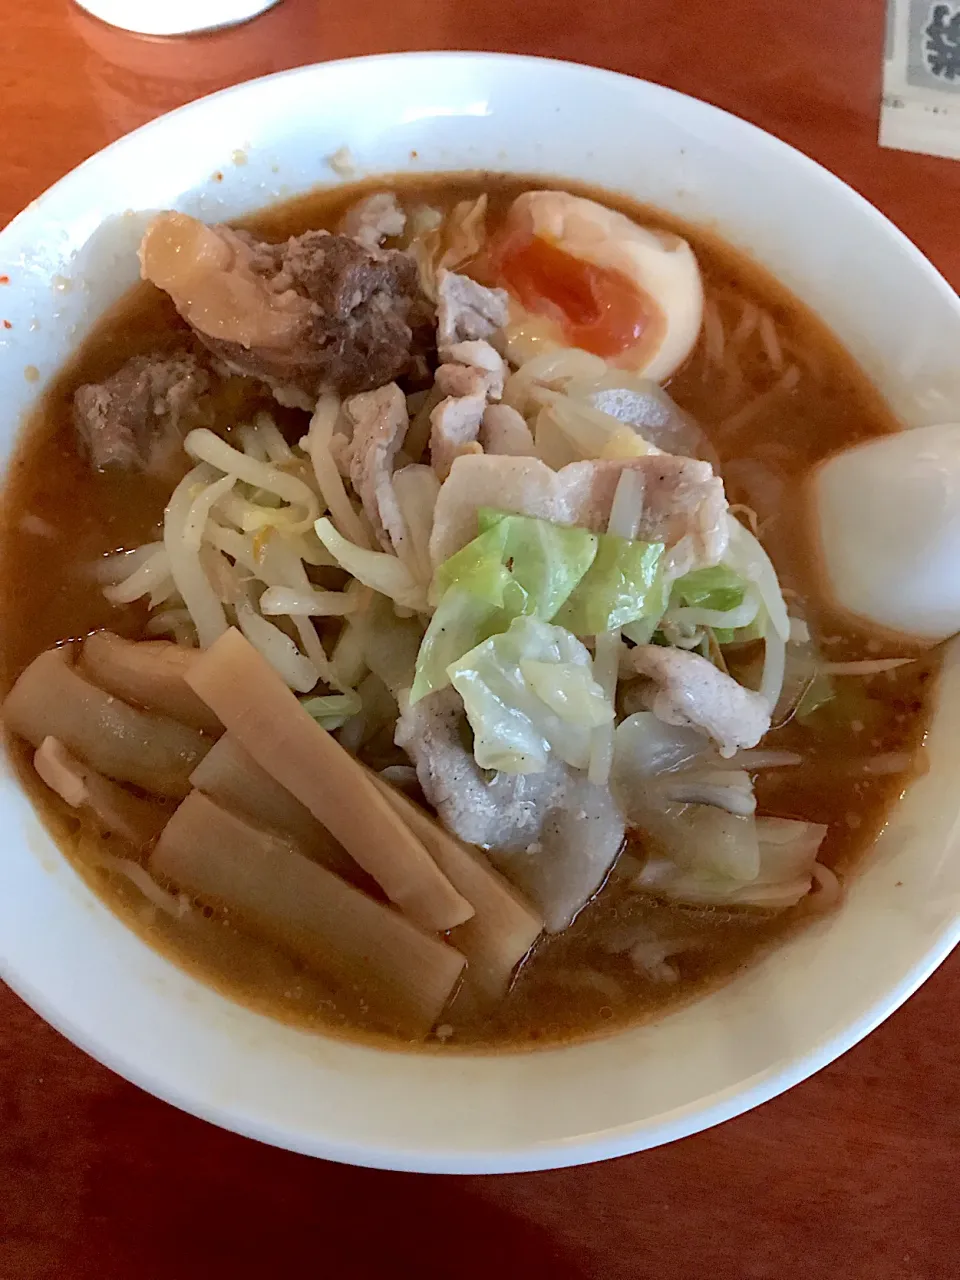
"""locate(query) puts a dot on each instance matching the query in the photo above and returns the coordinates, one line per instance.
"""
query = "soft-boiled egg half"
(581, 275)
(887, 516)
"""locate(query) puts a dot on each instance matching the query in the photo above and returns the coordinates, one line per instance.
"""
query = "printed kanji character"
(943, 42)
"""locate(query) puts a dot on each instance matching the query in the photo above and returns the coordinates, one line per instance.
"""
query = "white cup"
(174, 17)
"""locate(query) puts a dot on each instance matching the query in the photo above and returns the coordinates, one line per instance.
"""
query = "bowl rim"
(630, 1136)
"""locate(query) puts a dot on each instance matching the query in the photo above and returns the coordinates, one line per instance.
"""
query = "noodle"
(114, 569)
(713, 339)
(746, 515)
(305, 603)
(152, 574)
(771, 343)
(203, 445)
(276, 448)
(163, 592)
(317, 444)
(252, 444)
(239, 546)
(749, 318)
(828, 890)
(866, 667)
(182, 531)
(141, 878)
(743, 417)
(173, 622)
(279, 650)
(774, 665)
(283, 569)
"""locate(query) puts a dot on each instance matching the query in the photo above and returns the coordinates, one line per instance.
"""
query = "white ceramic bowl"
(71, 254)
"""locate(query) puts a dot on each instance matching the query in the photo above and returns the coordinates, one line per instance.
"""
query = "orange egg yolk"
(599, 309)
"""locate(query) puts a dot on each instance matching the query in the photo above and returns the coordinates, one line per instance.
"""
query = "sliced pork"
(467, 311)
(373, 219)
(504, 430)
(683, 501)
(379, 419)
(472, 373)
(470, 368)
(454, 427)
(688, 690)
(553, 834)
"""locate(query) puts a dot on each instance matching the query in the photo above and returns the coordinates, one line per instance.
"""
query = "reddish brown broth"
(570, 988)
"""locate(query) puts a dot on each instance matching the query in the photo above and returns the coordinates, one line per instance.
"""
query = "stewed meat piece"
(319, 312)
(136, 419)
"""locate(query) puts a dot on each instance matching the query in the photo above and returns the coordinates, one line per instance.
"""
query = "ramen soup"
(411, 622)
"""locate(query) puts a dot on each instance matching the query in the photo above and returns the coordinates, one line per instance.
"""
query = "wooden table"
(853, 1175)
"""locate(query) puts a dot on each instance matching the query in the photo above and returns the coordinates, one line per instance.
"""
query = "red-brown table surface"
(853, 1175)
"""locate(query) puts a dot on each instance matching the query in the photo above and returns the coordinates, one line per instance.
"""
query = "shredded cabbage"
(389, 644)
(644, 746)
(461, 621)
(621, 586)
(333, 710)
(589, 583)
(718, 588)
(528, 692)
(747, 557)
(787, 852)
(520, 563)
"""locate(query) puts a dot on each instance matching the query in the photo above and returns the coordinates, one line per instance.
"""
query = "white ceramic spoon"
(888, 513)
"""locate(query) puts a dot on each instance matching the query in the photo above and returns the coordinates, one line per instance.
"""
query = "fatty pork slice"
(504, 431)
(472, 374)
(683, 501)
(467, 311)
(553, 834)
(379, 421)
(318, 312)
(454, 427)
(689, 691)
(373, 219)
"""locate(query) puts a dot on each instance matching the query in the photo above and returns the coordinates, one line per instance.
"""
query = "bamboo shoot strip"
(231, 777)
(381, 962)
(153, 752)
(504, 926)
(148, 673)
(256, 706)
